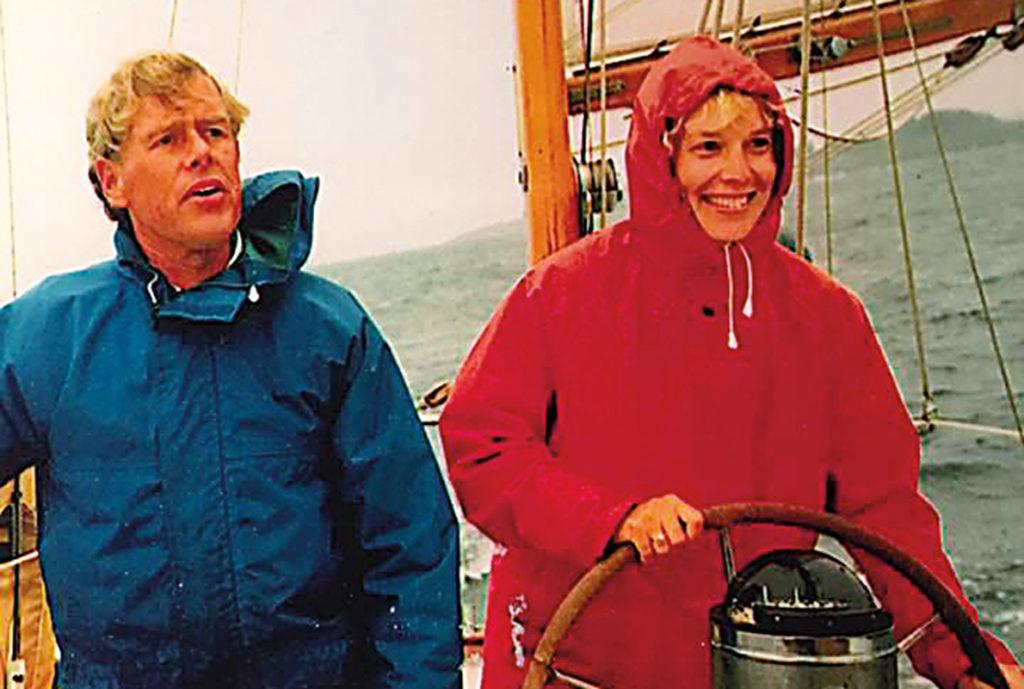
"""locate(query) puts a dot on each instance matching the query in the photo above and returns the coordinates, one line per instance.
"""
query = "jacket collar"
(276, 229)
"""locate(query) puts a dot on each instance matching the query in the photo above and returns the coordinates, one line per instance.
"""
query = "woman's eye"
(218, 132)
(165, 140)
(707, 146)
(761, 144)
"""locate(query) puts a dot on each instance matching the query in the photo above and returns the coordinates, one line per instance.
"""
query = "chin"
(727, 233)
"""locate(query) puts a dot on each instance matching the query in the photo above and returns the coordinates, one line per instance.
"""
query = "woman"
(681, 359)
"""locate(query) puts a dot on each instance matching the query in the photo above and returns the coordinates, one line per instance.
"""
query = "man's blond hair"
(159, 73)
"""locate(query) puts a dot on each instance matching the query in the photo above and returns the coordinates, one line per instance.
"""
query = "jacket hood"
(276, 229)
(674, 88)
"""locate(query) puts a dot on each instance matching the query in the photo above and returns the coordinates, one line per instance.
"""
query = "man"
(236, 489)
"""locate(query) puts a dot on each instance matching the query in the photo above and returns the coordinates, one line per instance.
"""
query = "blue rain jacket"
(234, 485)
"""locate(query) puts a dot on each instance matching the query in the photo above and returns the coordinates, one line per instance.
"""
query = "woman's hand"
(1013, 674)
(659, 524)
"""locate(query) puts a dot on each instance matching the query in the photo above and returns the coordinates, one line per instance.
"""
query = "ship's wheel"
(723, 517)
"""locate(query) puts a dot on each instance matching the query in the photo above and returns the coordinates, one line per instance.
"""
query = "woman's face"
(725, 166)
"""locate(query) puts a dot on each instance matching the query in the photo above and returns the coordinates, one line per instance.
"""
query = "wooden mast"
(548, 176)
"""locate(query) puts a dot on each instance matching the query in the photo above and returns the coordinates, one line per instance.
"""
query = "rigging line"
(18, 561)
(10, 162)
(940, 79)
(238, 44)
(174, 18)
(606, 147)
(962, 226)
(588, 29)
(928, 402)
(829, 136)
(854, 81)
(702, 28)
(955, 424)
(15, 501)
(719, 11)
(910, 100)
(604, 113)
(618, 9)
(737, 26)
(805, 70)
(827, 172)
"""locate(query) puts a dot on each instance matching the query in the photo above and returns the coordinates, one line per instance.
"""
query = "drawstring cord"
(150, 288)
(748, 305)
(733, 342)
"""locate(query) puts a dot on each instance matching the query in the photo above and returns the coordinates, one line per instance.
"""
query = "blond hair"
(159, 73)
(723, 105)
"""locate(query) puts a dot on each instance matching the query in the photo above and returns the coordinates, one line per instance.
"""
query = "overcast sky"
(405, 109)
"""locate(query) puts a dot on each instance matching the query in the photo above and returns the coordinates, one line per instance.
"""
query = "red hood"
(674, 88)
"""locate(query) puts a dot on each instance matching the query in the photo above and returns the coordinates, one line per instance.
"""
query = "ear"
(111, 181)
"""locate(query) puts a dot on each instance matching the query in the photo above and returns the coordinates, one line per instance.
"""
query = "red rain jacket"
(605, 379)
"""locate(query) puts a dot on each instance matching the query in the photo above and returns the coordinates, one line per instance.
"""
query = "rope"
(935, 421)
(16, 524)
(174, 17)
(10, 162)
(737, 25)
(588, 32)
(604, 114)
(908, 102)
(805, 69)
(238, 45)
(719, 12)
(962, 226)
(702, 28)
(927, 400)
(827, 176)
(18, 561)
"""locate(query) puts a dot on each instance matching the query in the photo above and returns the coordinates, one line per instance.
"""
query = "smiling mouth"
(730, 202)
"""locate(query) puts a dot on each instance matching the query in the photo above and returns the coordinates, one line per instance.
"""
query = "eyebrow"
(718, 133)
(174, 122)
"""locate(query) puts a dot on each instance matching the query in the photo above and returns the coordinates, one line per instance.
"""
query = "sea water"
(431, 304)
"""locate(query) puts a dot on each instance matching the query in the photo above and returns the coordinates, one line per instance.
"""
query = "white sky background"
(404, 108)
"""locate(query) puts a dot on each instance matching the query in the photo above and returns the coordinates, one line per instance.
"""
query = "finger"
(693, 520)
(673, 528)
(643, 547)
(659, 542)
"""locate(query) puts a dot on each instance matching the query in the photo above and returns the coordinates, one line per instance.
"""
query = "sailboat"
(554, 84)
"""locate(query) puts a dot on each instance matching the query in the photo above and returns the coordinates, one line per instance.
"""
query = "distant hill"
(960, 130)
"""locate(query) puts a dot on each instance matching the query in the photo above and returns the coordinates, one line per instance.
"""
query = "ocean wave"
(958, 469)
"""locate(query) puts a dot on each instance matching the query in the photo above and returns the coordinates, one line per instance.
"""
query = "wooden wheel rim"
(946, 604)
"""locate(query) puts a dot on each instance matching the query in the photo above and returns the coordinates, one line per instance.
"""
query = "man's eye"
(707, 146)
(218, 132)
(165, 140)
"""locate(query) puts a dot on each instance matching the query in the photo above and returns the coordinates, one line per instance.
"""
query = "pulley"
(798, 619)
(593, 195)
(824, 50)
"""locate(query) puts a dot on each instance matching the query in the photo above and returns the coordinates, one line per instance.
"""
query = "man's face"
(725, 166)
(177, 175)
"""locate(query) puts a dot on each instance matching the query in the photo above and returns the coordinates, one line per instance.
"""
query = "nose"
(736, 164)
(198, 149)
